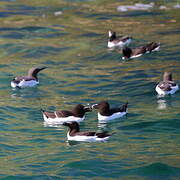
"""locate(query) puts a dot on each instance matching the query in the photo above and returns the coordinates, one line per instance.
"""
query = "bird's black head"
(101, 105)
(127, 52)
(112, 36)
(73, 125)
(167, 76)
(79, 110)
(34, 71)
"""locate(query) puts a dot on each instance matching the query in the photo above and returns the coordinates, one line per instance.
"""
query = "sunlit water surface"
(70, 37)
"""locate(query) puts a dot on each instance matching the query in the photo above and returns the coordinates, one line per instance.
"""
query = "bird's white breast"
(172, 91)
(86, 138)
(118, 44)
(24, 83)
(58, 120)
(102, 118)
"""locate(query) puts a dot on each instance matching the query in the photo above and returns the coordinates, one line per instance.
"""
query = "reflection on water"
(137, 6)
(145, 7)
(46, 124)
(161, 104)
(102, 125)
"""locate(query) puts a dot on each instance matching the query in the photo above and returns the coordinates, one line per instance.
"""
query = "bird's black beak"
(95, 106)
(65, 124)
(87, 108)
(41, 68)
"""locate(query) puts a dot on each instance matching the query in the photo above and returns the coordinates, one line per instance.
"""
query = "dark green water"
(144, 145)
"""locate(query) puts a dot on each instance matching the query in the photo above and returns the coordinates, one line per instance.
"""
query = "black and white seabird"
(74, 134)
(58, 117)
(105, 113)
(167, 86)
(139, 51)
(27, 81)
(115, 41)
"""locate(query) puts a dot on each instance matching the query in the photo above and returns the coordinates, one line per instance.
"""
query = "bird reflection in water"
(161, 104)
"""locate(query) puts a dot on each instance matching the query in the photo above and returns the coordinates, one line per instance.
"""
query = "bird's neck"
(104, 111)
(73, 130)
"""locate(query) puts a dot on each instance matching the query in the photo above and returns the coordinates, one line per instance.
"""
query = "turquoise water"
(144, 145)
